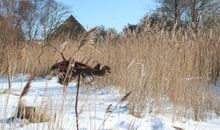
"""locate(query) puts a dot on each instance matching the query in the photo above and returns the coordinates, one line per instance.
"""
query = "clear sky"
(109, 13)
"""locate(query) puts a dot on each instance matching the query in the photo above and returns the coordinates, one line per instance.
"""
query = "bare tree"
(172, 9)
(35, 18)
(200, 10)
(10, 23)
(188, 11)
(27, 13)
(51, 16)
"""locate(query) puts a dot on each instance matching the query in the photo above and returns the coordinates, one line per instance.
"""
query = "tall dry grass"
(179, 66)
(158, 66)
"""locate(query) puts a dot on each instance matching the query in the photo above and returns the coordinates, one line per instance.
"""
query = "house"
(70, 29)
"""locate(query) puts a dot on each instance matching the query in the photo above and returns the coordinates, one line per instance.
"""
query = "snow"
(93, 104)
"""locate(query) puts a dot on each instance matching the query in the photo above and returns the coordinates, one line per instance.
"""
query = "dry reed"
(155, 65)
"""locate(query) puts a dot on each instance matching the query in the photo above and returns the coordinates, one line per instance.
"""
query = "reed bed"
(157, 66)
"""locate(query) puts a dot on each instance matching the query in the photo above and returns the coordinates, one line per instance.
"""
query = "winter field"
(99, 108)
(160, 73)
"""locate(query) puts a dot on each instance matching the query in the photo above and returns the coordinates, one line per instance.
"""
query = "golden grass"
(154, 65)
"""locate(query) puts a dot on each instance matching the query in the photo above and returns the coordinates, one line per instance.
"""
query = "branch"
(49, 45)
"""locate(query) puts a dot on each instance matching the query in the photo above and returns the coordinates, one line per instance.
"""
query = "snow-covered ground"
(93, 103)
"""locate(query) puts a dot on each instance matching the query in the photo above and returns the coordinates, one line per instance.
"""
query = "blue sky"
(109, 13)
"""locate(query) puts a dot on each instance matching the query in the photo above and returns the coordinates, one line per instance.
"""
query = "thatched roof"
(69, 29)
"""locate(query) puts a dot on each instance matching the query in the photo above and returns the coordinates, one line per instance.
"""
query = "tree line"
(198, 12)
(30, 19)
(36, 19)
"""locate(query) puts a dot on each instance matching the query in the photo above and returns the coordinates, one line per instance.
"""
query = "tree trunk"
(177, 11)
(193, 12)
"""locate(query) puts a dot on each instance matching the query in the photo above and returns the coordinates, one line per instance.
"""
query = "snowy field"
(93, 103)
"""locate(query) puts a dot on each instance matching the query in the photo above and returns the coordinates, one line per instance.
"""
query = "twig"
(9, 75)
(48, 45)
(76, 103)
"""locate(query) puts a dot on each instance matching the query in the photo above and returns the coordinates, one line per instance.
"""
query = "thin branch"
(76, 103)
(49, 45)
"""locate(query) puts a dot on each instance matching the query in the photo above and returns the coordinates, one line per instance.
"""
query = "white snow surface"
(93, 103)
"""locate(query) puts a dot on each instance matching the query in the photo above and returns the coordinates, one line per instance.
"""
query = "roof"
(69, 29)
